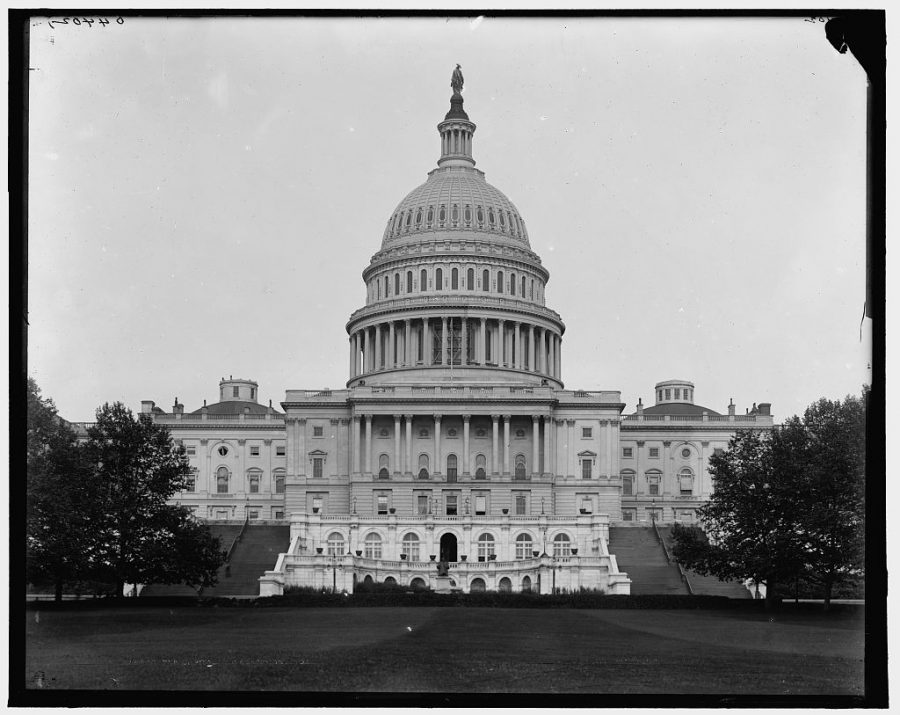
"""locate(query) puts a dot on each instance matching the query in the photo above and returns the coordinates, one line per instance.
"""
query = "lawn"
(483, 650)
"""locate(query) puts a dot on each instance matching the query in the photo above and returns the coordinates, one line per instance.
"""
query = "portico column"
(368, 444)
(465, 456)
(501, 345)
(481, 347)
(356, 428)
(443, 341)
(570, 448)
(559, 357)
(409, 421)
(464, 329)
(426, 340)
(437, 444)
(407, 345)
(301, 446)
(535, 444)
(551, 368)
(396, 463)
(378, 346)
(352, 358)
(495, 452)
(519, 363)
(531, 365)
(548, 429)
(506, 420)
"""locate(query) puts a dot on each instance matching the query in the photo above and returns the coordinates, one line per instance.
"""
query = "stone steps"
(640, 555)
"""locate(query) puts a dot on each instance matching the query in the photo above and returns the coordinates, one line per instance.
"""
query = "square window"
(627, 452)
(627, 514)
(587, 432)
(279, 451)
(654, 489)
(318, 431)
(190, 483)
(279, 515)
(279, 484)
(254, 514)
(254, 451)
(654, 453)
(191, 450)
(668, 394)
(452, 505)
(677, 393)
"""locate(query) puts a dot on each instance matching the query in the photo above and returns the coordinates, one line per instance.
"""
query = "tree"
(140, 538)
(59, 501)
(787, 505)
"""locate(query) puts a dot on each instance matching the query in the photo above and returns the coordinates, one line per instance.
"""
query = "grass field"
(444, 649)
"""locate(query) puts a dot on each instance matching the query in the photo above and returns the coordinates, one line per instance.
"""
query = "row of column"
(463, 341)
(363, 459)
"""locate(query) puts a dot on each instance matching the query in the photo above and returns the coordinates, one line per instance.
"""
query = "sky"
(205, 193)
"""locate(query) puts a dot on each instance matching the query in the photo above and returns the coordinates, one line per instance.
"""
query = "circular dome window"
(223, 451)
(685, 453)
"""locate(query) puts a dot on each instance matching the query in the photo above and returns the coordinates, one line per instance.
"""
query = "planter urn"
(392, 510)
(359, 552)
(318, 549)
(574, 552)
(433, 557)
(464, 557)
(506, 511)
(535, 554)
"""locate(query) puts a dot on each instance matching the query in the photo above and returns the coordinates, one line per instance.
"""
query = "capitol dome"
(455, 291)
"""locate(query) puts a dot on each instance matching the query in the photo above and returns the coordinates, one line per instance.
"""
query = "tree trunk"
(120, 588)
(772, 602)
(828, 585)
(58, 590)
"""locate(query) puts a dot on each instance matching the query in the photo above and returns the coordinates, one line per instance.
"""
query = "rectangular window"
(654, 489)
(254, 484)
(627, 485)
(452, 508)
(587, 506)
(236, 392)
(191, 450)
(627, 514)
(254, 514)
(686, 486)
(318, 431)
(587, 432)
(317, 467)
(316, 504)
(718, 452)
(254, 451)
(279, 514)
(480, 506)
(668, 394)
(585, 468)
(190, 483)
(422, 504)
(627, 452)
(279, 450)
(382, 503)
(521, 504)
(677, 393)
(279, 484)
(654, 453)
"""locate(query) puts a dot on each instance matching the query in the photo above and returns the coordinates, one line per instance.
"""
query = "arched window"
(409, 281)
(372, 546)
(451, 468)
(499, 281)
(491, 217)
(512, 283)
(430, 217)
(526, 581)
(454, 279)
(222, 475)
(477, 585)
(524, 546)
(438, 279)
(627, 483)
(396, 284)
(470, 279)
(502, 221)
(442, 215)
(505, 585)
(423, 281)
(418, 218)
(454, 214)
(485, 280)
(480, 462)
(520, 466)
(378, 287)
(410, 547)
(686, 481)
(480, 215)
(532, 289)
(387, 287)
(254, 477)
(468, 214)
(423, 466)
(486, 546)
(279, 482)
(522, 291)
(390, 580)
(562, 545)
(335, 544)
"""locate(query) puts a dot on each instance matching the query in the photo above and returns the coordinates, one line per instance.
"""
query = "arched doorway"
(505, 585)
(390, 580)
(448, 547)
(477, 585)
(418, 584)
(526, 583)
(368, 580)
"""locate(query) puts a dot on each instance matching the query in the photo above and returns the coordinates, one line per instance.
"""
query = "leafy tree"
(140, 538)
(787, 506)
(59, 501)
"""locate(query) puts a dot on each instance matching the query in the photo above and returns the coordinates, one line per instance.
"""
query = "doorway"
(448, 547)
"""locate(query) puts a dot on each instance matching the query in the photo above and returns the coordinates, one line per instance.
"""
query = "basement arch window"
(562, 546)
(451, 468)
(335, 544)
(423, 466)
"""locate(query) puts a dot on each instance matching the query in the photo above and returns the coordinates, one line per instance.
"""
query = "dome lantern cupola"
(456, 130)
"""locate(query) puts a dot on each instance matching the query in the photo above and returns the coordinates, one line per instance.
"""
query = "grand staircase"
(255, 553)
(641, 556)
(707, 585)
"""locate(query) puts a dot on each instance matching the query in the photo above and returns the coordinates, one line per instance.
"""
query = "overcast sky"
(204, 194)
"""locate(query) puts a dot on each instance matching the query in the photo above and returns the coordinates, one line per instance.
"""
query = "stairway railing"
(670, 558)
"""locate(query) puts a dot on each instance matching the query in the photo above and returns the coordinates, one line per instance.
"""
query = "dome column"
(535, 444)
(519, 362)
(392, 347)
(481, 347)
(437, 445)
(495, 447)
(409, 464)
(501, 340)
(407, 345)
(426, 347)
(377, 347)
(397, 465)
(444, 341)
(465, 463)
(368, 444)
(531, 353)
(464, 330)
(356, 429)
(551, 368)
(506, 421)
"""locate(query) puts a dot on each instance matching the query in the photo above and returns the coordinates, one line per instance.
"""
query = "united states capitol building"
(454, 439)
